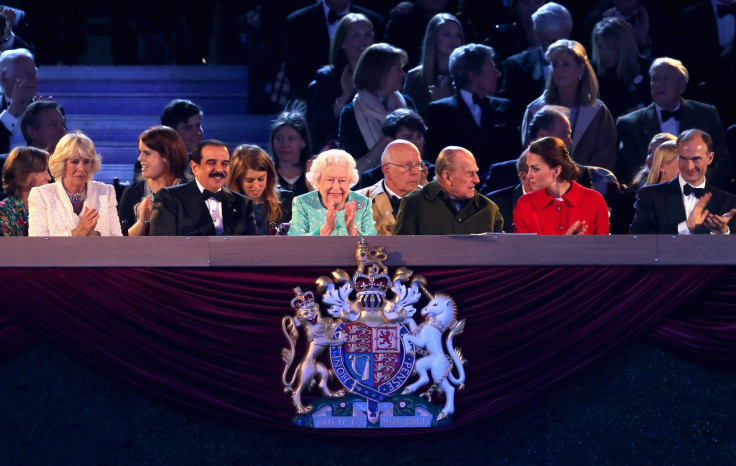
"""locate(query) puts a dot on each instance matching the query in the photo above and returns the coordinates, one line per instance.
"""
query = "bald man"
(449, 205)
(401, 164)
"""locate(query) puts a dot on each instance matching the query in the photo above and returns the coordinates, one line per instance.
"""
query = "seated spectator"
(164, 160)
(186, 118)
(379, 76)
(670, 113)
(203, 206)
(558, 205)
(9, 40)
(525, 73)
(402, 169)
(291, 150)
(74, 205)
(572, 84)
(407, 23)
(689, 204)
(333, 87)
(622, 72)
(449, 205)
(253, 174)
(42, 124)
(25, 168)
(332, 210)
(430, 80)
(473, 118)
(623, 211)
(507, 198)
(508, 39)
(307, 35)
(19, 83)
(402, 124)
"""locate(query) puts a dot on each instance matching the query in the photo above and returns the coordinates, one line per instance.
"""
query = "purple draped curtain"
(210, 340)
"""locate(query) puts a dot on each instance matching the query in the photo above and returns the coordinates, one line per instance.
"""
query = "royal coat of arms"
(374, 347)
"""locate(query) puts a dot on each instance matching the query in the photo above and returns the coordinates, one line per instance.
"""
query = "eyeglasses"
(410, 166)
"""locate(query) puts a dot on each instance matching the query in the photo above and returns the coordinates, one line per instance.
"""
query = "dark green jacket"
(430, 211)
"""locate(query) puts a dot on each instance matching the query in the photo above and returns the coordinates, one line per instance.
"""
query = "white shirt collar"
(683, 183)
(201, 188)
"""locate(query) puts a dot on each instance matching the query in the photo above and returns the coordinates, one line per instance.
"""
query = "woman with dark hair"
(379, 76)
(291, 149)
(431, 80)
(333, 86)
(253, 174)
(573, 84)
(25, 168)
(558, 205)
(623, 74)
(163, 157)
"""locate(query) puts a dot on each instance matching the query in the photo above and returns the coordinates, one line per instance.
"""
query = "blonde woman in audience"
(664, 164)
(25, 168)
(74, 205)
(431, 80)
(572, 84)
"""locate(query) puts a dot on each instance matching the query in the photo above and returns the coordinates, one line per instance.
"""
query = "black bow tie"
(219, 195)
(478, 100)
(697, 192)
(724, 10)
(673, 114)
(333, 17)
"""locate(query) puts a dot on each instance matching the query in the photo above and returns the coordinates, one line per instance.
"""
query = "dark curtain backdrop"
(210, 340)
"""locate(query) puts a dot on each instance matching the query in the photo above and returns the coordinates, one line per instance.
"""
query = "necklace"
(76, 198)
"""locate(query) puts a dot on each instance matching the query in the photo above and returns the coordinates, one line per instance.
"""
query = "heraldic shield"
(375, 348)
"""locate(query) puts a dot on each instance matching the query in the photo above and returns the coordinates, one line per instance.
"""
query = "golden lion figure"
(318, 330)
(365, 257)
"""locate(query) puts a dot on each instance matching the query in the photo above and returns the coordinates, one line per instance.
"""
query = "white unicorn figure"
(439, 316)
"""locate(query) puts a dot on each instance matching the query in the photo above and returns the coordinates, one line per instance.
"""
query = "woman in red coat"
(558, 205)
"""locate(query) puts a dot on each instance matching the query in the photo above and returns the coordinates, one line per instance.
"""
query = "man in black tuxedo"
(670, 113)
(307, 35)
(688, 204)
(203, 207)
(525, 74)
(19, 83)
(471, 118)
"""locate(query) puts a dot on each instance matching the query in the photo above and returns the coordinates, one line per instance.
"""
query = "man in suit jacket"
(307, 35)
(670, 113)
(525, 74)
(688, 204)
(507, 198)
(402, 169)
(449, 205)
(471, 118)
(203, 207)
(703, 31)
(18, 81)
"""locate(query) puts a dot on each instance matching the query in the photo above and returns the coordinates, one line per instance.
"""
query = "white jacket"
(50, 211)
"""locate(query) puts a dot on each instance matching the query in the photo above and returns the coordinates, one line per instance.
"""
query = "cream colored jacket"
(50, 212)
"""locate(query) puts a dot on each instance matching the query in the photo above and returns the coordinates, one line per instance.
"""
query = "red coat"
(540, 213)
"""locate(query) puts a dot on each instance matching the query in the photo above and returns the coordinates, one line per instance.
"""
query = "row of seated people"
(210, 202)
(350, 98)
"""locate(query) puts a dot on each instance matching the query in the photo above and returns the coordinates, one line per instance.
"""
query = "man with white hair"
(19, 82)
(449, 205)
(525, 74)
(670, 113)
(402, 165)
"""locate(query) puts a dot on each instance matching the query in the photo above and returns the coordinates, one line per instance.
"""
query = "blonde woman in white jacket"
(74, 205)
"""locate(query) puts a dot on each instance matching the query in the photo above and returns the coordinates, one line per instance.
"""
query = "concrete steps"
(114, 104)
